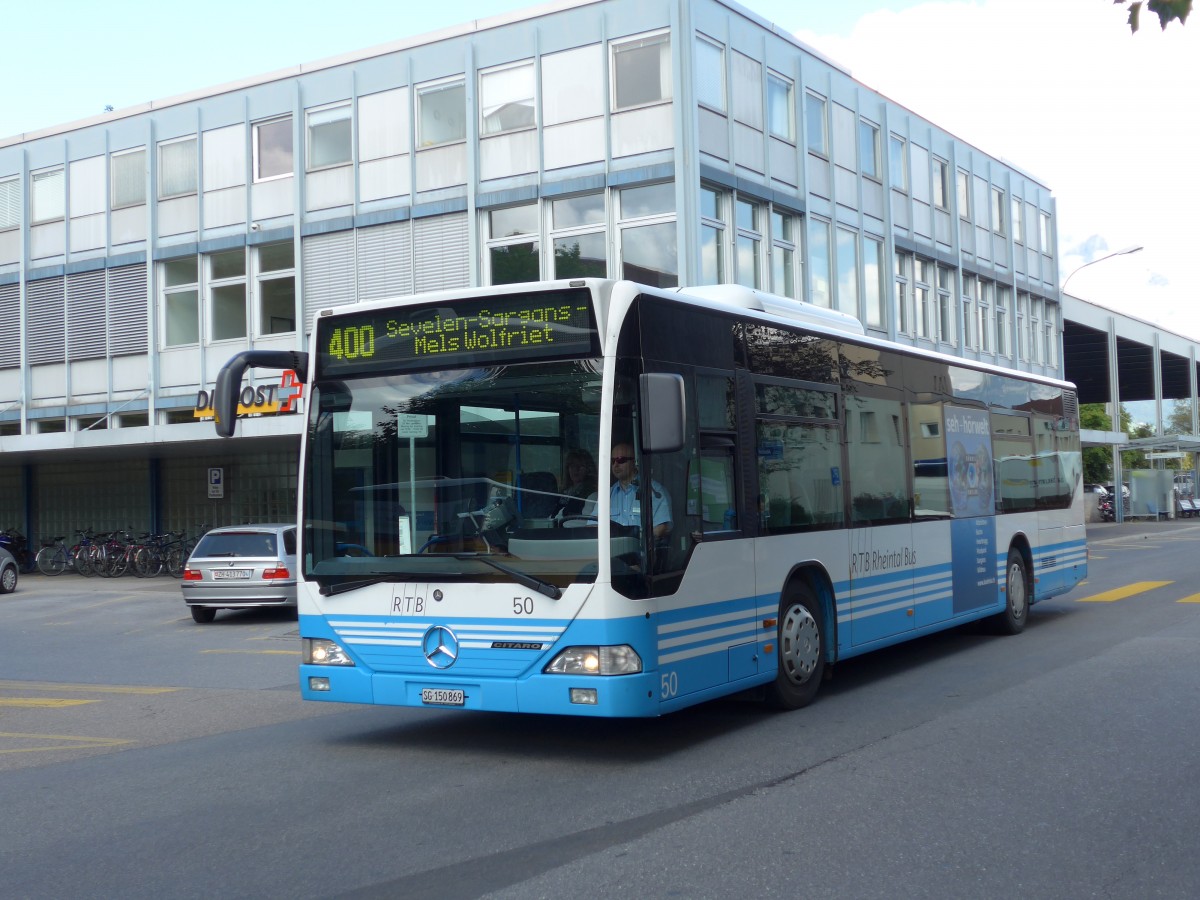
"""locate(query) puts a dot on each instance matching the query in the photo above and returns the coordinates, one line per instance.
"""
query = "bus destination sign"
(508, 327)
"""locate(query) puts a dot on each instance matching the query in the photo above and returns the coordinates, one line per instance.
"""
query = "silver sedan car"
(240, 566)
(8, 572)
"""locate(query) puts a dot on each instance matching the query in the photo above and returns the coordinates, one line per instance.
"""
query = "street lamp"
(1124, 252)
(1114, 390)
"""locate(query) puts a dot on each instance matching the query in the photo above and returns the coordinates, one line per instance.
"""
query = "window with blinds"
(177, 168)
(128, 178)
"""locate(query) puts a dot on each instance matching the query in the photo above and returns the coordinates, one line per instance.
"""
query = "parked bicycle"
(81, 559)
(54, 557)
(180, 549)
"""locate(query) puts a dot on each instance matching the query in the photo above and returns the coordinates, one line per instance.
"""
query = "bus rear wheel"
(1016, 596)
(801, 649)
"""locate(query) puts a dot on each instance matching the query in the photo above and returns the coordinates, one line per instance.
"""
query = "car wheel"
(202, 615)
(8, 580)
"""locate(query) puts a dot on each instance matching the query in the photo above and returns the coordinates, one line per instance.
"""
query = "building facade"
(673, 142)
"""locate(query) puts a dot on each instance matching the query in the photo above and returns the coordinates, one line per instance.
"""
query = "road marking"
(82, 688)
(258, 652)
(62, 742)
(1195, 598)
(41, 702)
(1130, 590)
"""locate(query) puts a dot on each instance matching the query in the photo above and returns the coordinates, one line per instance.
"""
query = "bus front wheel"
(1016, 596)
(801, 649)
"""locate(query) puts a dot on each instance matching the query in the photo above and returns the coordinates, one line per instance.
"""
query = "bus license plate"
(221, 574)
(442, 697)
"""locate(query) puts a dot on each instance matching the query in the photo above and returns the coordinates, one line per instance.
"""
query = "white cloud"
(1063, 91)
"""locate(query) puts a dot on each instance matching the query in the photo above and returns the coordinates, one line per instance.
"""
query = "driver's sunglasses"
(621, 459)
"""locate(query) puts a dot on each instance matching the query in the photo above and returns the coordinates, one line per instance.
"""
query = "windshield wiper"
(341, 587)
(523, 578)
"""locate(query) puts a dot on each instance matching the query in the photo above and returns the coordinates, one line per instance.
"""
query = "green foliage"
(1180, 421)
(1094, 416)
(1166, 10)
(1097, 461)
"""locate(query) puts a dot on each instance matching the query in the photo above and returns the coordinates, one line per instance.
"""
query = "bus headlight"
(320, 652)
(619, 660)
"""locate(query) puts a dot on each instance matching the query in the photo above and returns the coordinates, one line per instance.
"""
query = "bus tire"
(1016, 596)
(800, 636)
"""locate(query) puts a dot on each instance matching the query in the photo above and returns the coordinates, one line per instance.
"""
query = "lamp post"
(1124, 252)
(1113, 389)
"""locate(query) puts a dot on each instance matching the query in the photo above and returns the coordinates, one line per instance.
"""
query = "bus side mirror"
(229, 381)
(663, 415)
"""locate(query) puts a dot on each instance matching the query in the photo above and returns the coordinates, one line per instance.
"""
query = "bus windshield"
(481, 474)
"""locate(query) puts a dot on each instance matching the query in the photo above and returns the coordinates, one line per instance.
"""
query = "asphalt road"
(142, 755)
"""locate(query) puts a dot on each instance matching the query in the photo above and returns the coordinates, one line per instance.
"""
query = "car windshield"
(240, 543)
(419, 475)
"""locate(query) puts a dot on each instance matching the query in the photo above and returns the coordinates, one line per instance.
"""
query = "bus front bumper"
(617, 695)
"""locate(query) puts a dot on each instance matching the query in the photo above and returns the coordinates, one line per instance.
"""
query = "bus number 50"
(670, 685)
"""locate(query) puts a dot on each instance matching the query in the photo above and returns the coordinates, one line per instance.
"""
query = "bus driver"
(626, 495)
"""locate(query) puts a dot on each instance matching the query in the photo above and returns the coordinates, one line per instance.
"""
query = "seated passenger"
(579, 482)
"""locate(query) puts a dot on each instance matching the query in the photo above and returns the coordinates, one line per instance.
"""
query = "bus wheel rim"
(799, 644)
(1016, 591)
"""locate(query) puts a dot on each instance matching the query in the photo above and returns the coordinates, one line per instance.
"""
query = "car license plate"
(442, 697)
(223, 574)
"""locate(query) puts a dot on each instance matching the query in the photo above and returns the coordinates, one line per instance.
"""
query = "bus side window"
(711, 497)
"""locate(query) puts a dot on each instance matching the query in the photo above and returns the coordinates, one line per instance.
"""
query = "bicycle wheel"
(147, 562)
(51, 560)
(98, 557)
(119, 562)
(80, 561)
(175, 562)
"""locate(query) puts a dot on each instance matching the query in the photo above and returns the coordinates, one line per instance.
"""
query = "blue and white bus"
(785, 492)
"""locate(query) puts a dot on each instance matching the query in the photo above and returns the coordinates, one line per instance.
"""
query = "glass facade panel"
(581, 256)
(779, 107)
(273, 149)
(441, 116)
(819, 263)
(868, 149)
(649, 255)
(815, 124)
(229, 312)
(572, 212)
(329, 137)
(642, 72)
(177, 169)
(847, 265)
(507, 99)
(649, 200)
(129, 179)
(277, 305)
(182, 324)
(710, 74)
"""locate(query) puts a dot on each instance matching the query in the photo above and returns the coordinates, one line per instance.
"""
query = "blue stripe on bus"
(685, 634)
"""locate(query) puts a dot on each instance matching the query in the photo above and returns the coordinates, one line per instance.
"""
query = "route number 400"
(670, 685)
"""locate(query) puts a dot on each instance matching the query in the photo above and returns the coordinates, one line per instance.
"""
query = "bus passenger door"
(882, 555)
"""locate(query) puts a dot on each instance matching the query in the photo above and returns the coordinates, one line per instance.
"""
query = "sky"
(1108, 120)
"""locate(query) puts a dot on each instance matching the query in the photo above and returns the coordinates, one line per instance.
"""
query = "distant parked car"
(8, 572)
(241, 566)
